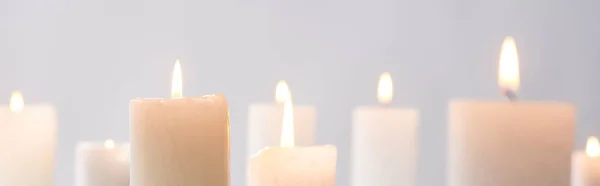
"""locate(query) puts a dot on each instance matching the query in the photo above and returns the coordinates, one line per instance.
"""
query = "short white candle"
(102, 164)
(180, 141)
(502, 143)
(264, 122)
(384, 142)
(586, 165)
(293, 166)
(28, 142)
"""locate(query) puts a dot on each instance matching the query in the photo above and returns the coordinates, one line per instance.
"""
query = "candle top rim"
(202, 97)
(268, 104)
(328, 146)
(518, 102)
(99, 144)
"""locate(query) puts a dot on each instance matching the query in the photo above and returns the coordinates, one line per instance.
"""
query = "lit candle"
(500, 143)
(264, 122)
(384, 141)
(293, 166)
(28, 141)
(102, 164)
(586, 165)
(180, 141)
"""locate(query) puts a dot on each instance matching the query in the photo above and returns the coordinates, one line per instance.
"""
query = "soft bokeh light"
(16, 102)
(282, 92)
(177, 81)
(109, 144)
(385, 88)
(592, 147)
(508, 73)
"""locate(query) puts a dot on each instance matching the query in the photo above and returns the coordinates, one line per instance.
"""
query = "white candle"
(28, 141)
(180, 141)
(293, 166)
(102, 164)
(264, 122)
(384, 142)
(586, 165)
(500, 143)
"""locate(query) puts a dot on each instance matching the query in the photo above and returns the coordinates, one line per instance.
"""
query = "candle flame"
(282, 92)
(109, 144)
(177, 82)
(592, 148)
(508, 73)
(287, 128)
(385, 88)
(16, 102)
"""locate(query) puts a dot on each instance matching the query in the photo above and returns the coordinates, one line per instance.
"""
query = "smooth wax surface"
(501, 143)
(27, 146)
(180, 141)
(384, 146)
(97, 165)
(294, 166)
(585, 170)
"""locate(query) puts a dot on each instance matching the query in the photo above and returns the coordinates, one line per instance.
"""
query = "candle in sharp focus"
(181, 141)
(384, 142)
(102, 164)
(287, 165)
(264, 122)
(586, 165)
(500, 143)
(28, 142)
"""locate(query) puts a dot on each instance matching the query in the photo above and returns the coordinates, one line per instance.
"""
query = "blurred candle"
(384, 142)
(28, 142)
(180, 141)
(102, 164)
(264, 122)
(293, 166)
(586, 165)
(500, 143)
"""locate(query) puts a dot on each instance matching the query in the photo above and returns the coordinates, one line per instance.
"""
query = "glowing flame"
(177, 82)
(385, 89)
(287, 128)
(109, 144)
(508, 74)
(592, 148)
(282, 92)
(16, 102)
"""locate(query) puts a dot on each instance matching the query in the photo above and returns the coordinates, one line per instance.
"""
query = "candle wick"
(511, 95)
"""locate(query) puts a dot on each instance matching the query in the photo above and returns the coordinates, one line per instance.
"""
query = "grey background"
(90, 57)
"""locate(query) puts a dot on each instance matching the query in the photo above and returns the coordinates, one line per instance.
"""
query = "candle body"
(28, 141)
(264, 126)
(99, 166)
(181, 141)
(585, 170)
(294, 166)
(503, 143)
(384, 147)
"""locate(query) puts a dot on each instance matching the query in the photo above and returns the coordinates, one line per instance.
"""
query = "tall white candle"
(264, 122)
(28, 142)
(102, 164)
(500, 143)
(180, 141)
(586, 165)
(384, 142)
(293, 166)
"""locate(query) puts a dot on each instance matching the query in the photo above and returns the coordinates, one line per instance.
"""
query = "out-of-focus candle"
(586, 165)
(28, 141)
(102, 164)
(180, 141)
(293, 166)
(384, 142)
(264, 122)
(500, 143)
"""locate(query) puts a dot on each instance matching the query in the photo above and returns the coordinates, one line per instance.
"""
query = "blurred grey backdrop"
(90, 57)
